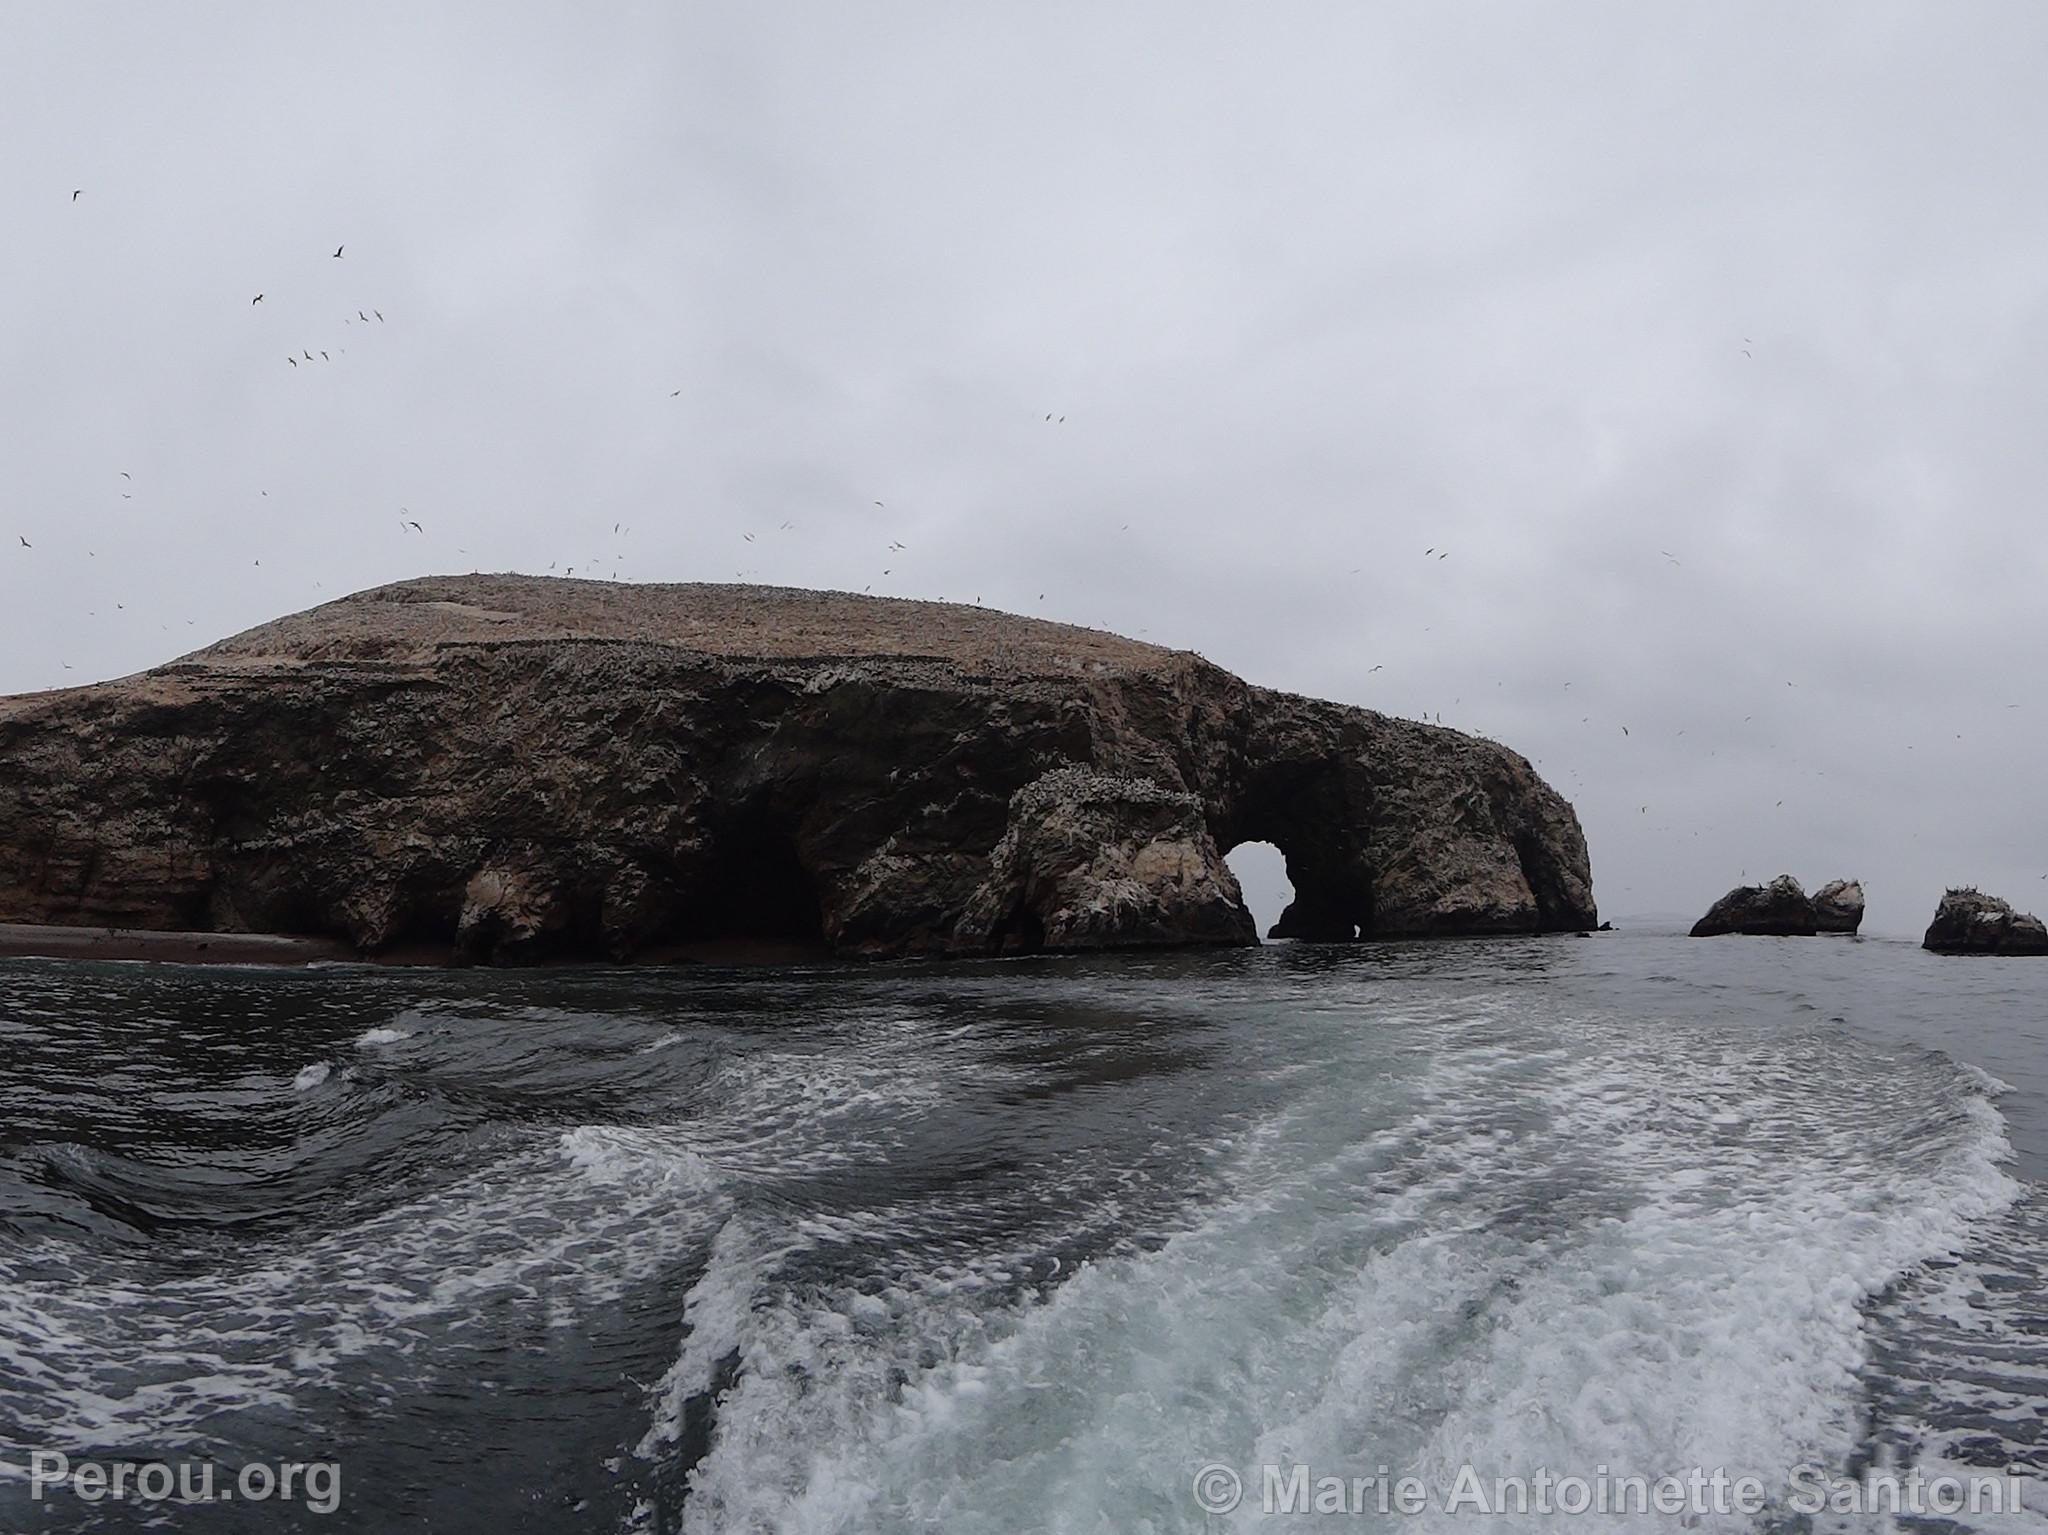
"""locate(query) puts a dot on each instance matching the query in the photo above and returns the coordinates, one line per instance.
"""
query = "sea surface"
(1026, 1245)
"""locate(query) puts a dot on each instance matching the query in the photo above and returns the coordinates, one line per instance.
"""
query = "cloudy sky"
(1708, 341)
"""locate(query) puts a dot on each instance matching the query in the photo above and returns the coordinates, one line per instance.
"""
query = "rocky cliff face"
(510, 767)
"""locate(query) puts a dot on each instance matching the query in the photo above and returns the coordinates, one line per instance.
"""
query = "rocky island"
(1782, 909)
(508, 768)
(1779, 909)
(1968, 921)
(1838, 906)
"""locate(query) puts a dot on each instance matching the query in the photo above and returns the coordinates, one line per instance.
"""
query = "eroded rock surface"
(1779, 909)
(513, 767)
(1838, 906)
(1971, 922)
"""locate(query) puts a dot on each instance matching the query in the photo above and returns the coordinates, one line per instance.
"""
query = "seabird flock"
(305, 353)
(408, 525)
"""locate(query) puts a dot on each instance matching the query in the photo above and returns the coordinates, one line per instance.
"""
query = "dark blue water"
(1018, 1246)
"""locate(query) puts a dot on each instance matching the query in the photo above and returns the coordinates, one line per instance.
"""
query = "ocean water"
(1028, 1245)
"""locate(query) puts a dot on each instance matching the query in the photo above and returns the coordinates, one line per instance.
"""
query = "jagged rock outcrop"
(512, 767)
(1778, 909)
(1089, 862)
(1971, 922)
(1838, 906)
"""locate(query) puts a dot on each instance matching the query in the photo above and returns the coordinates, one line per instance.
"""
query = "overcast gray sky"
(1708, 340)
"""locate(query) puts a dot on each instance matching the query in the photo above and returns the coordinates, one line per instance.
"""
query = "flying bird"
(1624, 730)
(257, 299)
(379, 314)
(338, 250)
(1377, 668)
(24, 542)
(363, 317)
(292, 360)
(74, 195)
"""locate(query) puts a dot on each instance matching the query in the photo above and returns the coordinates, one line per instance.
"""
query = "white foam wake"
(1600, 1246)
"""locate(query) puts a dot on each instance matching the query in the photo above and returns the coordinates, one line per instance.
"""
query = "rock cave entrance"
(757, 890)
(1302, 814)
(1022, 932)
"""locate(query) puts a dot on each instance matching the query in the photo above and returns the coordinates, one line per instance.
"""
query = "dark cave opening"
(1022, 932)
(756, 889)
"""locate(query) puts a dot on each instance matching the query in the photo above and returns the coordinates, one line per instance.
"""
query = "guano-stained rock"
(1971, 922)
(519, 768)
(1779, 909)
(1838, 906)
(1090, 862)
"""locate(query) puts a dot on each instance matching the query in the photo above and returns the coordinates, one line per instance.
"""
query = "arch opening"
(1261, 870)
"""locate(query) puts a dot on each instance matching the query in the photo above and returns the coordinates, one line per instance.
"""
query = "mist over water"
(1020, 1245)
